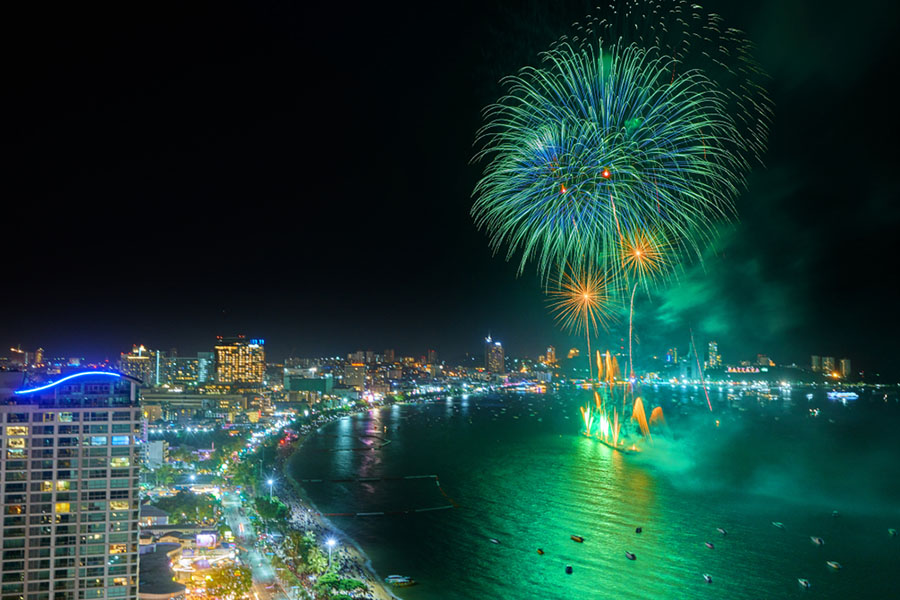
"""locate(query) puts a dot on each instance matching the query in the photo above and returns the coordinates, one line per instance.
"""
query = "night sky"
(174, 172)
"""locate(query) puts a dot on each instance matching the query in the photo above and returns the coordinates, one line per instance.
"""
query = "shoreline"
(306, 516)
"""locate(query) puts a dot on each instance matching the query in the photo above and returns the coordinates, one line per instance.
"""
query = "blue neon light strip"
(64, 379)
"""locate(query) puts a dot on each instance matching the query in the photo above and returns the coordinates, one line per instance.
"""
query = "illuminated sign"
(55, 383)
(206, 540)
(743, 369)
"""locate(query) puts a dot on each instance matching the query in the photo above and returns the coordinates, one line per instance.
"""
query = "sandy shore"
(352, 560)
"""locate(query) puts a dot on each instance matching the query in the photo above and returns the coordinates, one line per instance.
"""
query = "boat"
(639, 529)
(834, 564)
(494, 540)
(835, 513)
(630, 555)
(707, 577)
(817, 540)
(709, 545)
(568, 569)
(778, 524)
(541, 551)
(804, 583)
(892, 532)
(577, 538)
(399, 580)
(834, 395)
(722, 531)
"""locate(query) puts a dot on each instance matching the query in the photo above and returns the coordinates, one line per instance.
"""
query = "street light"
(330, 543)
(270, 482)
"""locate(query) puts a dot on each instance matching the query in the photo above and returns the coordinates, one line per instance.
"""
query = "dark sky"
(174, 172)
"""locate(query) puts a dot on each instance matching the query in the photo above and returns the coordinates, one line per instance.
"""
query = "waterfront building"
(431, 358)
(389, 355)
(816, 363)
(240, 362)
(828, 364)
(494, 360)
(713, 358)
(672, 356)
(354, 376)
(846, 371)
(70, 478)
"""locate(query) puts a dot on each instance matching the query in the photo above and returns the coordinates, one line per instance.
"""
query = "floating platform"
(621, 449)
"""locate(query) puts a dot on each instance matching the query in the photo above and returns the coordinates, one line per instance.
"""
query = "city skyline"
(394, 266)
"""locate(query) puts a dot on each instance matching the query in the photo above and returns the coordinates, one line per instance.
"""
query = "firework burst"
(581, 303)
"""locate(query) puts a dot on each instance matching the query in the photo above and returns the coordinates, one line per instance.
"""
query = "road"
(265, 584)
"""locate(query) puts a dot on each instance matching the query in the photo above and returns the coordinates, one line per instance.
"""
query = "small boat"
(804, 583)
(630, 555)
(709, 545)
(817, 540)
(834, 564)
(494, 540)
(399, 580)
(835, 513)
(577, 538)
(722, 531)
(541, 551)
(639, 529)
(568, 569)
(707, 578)
(892, 532)
(778, 524)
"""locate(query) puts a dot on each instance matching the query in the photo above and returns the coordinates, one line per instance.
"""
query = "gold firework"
(581, 304)
(644, 255)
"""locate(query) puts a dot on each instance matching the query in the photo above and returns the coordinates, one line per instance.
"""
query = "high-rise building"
(816, 363)
(70, 477)
(431, 358)
(828, 364)
(763, 360)
(355, 376)
(494, 361)
(672, 356)
(389, 355)
(551, 355)
(140, 363)
(240, 362)
(846, 371)
(713, 358)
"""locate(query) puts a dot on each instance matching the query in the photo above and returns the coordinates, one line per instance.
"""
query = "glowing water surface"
(520, 473)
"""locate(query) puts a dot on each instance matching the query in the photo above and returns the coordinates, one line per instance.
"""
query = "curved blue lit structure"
(68, 378)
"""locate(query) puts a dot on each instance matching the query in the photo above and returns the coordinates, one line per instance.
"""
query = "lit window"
(118, 462)
(15, 453)
(62, 507)
(47, 486)
(117, 549)
(98, 440)
(120, 440)
(62, 485)
(16, 442)
(17, 430)
(118, 505)
(65, 417)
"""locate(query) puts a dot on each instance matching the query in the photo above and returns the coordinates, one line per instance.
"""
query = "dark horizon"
(303, 175)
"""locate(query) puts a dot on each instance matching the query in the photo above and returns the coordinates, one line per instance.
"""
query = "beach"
(351, 559)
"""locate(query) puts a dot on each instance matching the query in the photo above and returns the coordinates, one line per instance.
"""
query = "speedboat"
(835, 513)
(778, 524)
(722, 531)
(892, 532)
(707, 578)
(577, 538)
(709, 545)
(494, 540)
(399, 580)
(630, 555)
(833, 564)
(639, 529)
(804, 583)
(540, 551)
(817, 540)
(569, 569)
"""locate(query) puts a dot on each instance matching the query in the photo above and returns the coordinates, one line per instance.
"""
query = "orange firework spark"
(644, 256)
(581, 303)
